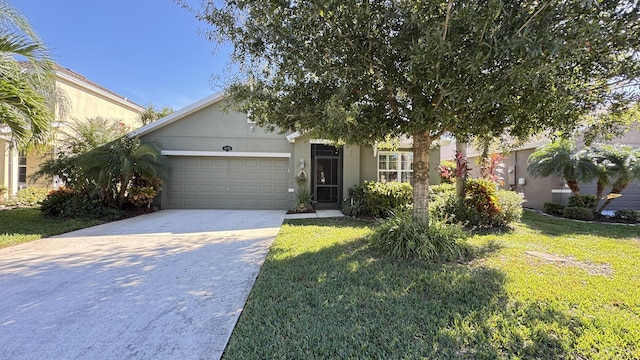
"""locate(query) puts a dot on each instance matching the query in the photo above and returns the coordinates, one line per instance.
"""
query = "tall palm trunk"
(616, 190)
(574, 187)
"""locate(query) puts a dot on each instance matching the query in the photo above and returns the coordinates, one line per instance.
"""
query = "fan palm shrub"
(561, 159)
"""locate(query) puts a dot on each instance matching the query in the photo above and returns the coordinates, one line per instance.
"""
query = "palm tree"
(560, 159)
(151, 114)
(621, 165)
(114, 165)
(75, 139)
(597, 169)
(26, 87)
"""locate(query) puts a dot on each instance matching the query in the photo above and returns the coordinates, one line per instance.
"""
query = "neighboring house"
(219, 159)
(539, 190)
(83, 99)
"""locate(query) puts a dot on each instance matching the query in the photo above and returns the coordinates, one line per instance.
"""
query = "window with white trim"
(22, 170)
(395, 166)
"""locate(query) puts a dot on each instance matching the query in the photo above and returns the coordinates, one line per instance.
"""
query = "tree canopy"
(27, 81)
(151, 113)
(361, 71)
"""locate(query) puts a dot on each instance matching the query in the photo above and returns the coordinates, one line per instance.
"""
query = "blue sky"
(150, 51)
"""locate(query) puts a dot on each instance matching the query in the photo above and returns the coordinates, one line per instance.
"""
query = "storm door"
(326, 182)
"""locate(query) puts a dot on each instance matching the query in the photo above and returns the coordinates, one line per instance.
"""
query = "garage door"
(227, 183)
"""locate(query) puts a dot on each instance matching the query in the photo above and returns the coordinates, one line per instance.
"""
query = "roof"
(78, 79)
(74, 77)
(177, 115)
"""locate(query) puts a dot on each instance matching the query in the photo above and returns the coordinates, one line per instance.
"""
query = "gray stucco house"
(538, 190)
(219, 159)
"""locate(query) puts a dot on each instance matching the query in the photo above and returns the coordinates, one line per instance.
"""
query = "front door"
(326, 182)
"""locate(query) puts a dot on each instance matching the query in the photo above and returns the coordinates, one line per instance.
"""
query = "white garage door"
(227, 183)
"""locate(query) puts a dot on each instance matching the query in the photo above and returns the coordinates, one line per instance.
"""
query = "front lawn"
(23, 225)
(551, 289)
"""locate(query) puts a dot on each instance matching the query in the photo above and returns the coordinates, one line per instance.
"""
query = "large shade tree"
(27, 82)
(360, 71)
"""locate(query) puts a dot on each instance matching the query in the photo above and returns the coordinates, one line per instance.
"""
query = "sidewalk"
(317, 214)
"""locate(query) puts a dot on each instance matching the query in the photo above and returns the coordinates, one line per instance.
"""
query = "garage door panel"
(174, 188)
(190, 163)
(206, 188)
(228, 183)
(281, 189)
(189, 188)
(250, 189)
(250, 176)
(250, 164)
(221, 174)
(186, 174)
(205, 175)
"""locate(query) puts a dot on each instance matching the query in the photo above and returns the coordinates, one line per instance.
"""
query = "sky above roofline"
(148, 51)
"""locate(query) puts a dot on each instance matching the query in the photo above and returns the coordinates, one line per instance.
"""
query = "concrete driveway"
(167, 285)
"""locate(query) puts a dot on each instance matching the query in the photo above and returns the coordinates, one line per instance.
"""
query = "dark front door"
(326, 181)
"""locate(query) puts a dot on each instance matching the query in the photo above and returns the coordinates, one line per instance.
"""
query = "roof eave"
(175, 116)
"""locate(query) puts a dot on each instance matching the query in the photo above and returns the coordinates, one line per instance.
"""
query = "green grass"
(23, 225)
(323, 293)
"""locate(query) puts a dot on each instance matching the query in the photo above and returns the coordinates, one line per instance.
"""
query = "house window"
(22, 170)
(395, 166)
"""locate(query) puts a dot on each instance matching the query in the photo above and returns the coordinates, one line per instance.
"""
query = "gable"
(210, 125)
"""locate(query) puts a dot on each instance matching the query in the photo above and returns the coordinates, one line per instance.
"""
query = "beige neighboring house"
(84, 99)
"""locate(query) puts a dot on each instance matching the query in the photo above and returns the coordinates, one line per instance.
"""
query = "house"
(539, 190)
(83, 99)
(218, 158)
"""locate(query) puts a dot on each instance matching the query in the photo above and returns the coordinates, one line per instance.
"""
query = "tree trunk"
(573, 186)
(616, 190)
(421, 148)
(599, 191)
(124, 184)
(461, 174)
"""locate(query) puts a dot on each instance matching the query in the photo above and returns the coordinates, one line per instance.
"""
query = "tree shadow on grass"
(346, 301)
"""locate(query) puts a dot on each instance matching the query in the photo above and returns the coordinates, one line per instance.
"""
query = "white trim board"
(225, 154)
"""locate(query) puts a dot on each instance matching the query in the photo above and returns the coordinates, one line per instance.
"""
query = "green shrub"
(29, 196)
(54, 204)
(628, 215)
(483, 207)
(441, 188)
(578, 213)
(377, 199)
(482, 194)
(66, 203)
(553, 208)
(403, 236)
(511, 207)
(585, 201)
(354, 206)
